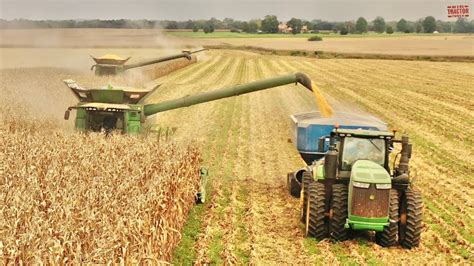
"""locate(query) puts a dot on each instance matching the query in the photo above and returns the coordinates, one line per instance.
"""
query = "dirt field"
(251, 218)
(410, 45)
(448, 45)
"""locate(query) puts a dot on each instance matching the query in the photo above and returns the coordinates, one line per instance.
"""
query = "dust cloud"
(33, 64)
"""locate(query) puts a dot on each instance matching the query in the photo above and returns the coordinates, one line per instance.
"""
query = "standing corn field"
(74, 198)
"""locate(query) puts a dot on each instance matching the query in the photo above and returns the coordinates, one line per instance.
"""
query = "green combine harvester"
(123, 109)
(111, 64)
(349, 183)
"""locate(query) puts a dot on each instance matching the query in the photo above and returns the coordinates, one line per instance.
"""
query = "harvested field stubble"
(72, 198)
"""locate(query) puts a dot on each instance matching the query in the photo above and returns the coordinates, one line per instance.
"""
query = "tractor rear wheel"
(411, 212)
(338, 212)
(388, 237)
(294, 187)
(307, 180)
(316, 221)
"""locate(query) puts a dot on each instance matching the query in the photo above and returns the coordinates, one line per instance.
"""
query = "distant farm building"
(283, 28)
(304, 29)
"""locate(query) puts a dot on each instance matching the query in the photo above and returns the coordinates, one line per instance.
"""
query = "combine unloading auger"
(150, 109)
(110, 64)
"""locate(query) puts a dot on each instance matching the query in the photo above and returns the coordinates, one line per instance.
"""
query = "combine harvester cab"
(111, 64)
(348, 183)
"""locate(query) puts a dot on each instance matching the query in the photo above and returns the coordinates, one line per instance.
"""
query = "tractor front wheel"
(316, 221)
(411, 212)
(388, 237)
(338, 213)
(307, 180)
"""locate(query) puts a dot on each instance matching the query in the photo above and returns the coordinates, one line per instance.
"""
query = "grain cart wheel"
(388, 237)
(307, 180)
(411, 211)
(294, 187)
(316, 222)
(338, 212)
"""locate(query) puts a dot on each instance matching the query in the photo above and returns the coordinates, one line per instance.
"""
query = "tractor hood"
(365, 171)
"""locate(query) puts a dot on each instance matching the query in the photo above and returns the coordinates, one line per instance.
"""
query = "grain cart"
(111, 64)
(349, 182)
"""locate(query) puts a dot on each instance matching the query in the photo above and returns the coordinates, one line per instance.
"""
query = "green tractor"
(349, 183)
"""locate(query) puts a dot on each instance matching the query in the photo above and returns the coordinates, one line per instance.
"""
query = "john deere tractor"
(350, 184)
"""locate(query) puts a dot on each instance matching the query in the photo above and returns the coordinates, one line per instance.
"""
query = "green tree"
(429, 24)
(361, 25)
(209, 27)
(350, 27)
(172, 25)
(444, 26)
(270, 24)
(295, 24)
(379, 24)
(389, 29)
(461, 26)
(402, 25)
(252, 27)
(244, 26)
(189, 24)
(418, 27)
(343, 30)
(195, 28)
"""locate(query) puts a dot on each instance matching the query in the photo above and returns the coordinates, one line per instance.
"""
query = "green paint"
(364, 223)
(365, 171)
(319, 172)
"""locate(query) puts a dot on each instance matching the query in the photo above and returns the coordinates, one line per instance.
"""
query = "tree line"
(269, 24)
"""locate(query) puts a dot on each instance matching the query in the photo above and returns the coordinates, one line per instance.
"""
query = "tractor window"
(362, 149)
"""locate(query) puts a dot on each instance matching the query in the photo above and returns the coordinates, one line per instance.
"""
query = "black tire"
(307, 180)
(338, 212)
(410, 230)
(316, 221)
(294, 187)
(388, 237)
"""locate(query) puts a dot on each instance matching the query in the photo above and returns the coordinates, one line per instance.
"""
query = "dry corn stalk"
(75, 198)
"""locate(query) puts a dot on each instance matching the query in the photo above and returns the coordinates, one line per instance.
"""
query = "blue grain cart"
(311, 136)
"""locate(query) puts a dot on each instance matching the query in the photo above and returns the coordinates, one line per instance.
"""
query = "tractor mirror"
(66, 115)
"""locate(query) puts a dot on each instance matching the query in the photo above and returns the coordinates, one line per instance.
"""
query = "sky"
(331, 10)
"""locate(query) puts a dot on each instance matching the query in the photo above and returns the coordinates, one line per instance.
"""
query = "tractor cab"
(353, 145)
